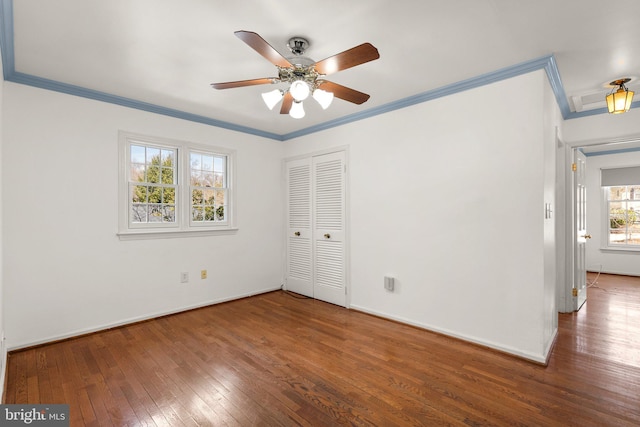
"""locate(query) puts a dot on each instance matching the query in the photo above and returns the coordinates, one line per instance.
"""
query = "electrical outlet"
(203, 274)
(184, 277)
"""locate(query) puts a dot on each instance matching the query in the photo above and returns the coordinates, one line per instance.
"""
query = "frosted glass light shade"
(323, 97)
(272, 98)
(299, 90)
(296, 111)
(620, 100)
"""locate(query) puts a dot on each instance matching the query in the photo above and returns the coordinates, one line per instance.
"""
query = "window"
(623, 222)
(621, 189)
(152, 184)
(170, 188)
(208, 187)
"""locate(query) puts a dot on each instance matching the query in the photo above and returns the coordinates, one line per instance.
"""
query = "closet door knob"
(327, 236)
(297, 233)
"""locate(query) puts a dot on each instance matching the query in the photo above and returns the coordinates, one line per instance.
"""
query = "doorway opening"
(585, 226)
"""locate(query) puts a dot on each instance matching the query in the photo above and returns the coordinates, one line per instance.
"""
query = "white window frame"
(183, 226)
(191, 188)
(606, 244)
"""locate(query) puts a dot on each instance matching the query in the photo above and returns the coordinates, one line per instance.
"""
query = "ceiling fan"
(303, 74)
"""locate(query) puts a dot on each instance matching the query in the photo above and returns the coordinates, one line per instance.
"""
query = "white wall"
(66, 272)
(448, 196)
(607, 261)
(553, 265)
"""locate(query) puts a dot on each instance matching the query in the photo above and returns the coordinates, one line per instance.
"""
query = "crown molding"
(548, 63)
(42, 83)
(609, 152)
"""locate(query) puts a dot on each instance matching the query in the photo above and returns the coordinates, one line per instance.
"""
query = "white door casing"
(580, 221)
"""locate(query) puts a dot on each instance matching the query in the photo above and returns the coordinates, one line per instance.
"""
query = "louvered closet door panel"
(299, 231)
(329, 228)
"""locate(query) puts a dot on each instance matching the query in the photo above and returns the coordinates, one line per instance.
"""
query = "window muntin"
(169, 187)
(623, 215)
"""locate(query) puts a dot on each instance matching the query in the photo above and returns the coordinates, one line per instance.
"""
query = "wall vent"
(590, 101)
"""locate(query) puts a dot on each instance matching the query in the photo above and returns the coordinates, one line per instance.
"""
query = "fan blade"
(259, 44)
(349, 58)
(241, 83)
(287, 102)
(344, 92)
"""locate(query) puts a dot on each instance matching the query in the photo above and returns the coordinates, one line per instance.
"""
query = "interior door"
(579, 292)
(299, 232)
(329, 228)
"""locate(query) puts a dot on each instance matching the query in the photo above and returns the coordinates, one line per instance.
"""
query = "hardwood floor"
(277, 360)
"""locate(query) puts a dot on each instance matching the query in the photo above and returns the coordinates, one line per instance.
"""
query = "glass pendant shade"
(272, 98)
(323, 97)
(299, 90)
(296, 111)
(620, 100)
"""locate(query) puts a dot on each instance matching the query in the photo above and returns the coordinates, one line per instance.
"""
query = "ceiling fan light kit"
(304, 76)
(299, 90)
(323, 97)
(272, 98)
(619, 101)
(297, 110)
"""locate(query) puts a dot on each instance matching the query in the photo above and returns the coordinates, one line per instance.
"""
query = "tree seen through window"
(153, 182)
(624, 215)
(208, 187)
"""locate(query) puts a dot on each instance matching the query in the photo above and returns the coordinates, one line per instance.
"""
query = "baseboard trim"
(615, 273)
(144, 318)
(550, 346)
(540, 359)
(3, 375)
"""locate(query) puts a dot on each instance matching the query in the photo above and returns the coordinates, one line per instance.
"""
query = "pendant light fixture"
(619, 101)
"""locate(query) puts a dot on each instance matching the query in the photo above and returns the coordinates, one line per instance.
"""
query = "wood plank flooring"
(277, 360)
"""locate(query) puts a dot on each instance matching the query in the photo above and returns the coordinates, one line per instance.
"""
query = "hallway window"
(623, 207)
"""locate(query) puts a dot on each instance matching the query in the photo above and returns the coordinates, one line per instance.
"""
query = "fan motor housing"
(298, 45)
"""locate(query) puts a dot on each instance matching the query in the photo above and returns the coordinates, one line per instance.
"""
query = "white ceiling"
(167, 52)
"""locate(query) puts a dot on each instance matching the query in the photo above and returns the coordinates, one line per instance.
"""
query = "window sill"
(620, 249)
(172, 234)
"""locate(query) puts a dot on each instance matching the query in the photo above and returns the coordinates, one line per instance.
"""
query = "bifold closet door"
(299, 240)
(316, 211)
(328, 207)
